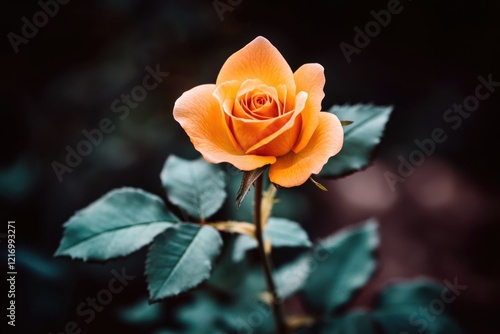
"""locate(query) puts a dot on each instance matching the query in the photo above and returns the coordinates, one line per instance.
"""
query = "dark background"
(442, 222)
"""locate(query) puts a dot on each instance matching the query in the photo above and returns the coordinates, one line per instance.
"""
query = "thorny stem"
(276, 305)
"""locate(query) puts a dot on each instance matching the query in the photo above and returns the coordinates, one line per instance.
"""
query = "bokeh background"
(443, 222)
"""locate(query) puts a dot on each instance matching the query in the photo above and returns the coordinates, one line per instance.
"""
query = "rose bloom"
(259, 112)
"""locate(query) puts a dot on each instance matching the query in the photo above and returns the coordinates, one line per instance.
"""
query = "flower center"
(259, 105)
(259, 100)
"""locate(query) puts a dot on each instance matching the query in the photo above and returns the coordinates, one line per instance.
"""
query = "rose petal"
(226, 95)
(251, 134)
(281, 144)
(250, 88)
(259, 59)
(281, 141)
(311, 79)
(200, 115)
(246, 131)
(293, 169)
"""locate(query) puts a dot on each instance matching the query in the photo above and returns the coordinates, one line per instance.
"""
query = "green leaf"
(356, 322)
(246, 182)
(415, 306)
(360, 138)
(282, 233)
(194, 185)
(117, 224)
(180, 259)
(344, 264)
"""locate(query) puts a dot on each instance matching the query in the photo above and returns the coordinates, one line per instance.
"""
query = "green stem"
(277, 307)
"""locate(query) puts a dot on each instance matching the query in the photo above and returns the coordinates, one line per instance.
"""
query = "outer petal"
(259, 59)
(283, 143)
(293, 169)
(309, 78)
(201, 116)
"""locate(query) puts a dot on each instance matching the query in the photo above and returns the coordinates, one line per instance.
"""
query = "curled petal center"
(257, 105)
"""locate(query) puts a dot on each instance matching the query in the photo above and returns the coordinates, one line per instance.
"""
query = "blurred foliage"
(227, 294)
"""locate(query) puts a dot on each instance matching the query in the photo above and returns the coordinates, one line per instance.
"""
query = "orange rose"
(259, 112)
